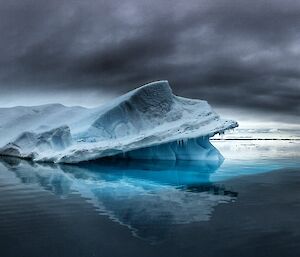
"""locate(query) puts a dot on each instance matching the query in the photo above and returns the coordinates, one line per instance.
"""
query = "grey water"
(247, 205)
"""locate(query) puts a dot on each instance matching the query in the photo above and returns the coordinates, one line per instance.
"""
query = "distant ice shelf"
(149, 122)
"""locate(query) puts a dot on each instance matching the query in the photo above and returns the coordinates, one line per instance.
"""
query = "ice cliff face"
(30, 144)
(146, 123)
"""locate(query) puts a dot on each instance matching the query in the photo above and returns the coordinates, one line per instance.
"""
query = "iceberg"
(149, 122)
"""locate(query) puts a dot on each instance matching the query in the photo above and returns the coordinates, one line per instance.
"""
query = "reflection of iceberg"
(146, 123)
(137, 195)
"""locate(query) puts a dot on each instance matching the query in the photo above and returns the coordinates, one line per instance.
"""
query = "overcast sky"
(241, 56)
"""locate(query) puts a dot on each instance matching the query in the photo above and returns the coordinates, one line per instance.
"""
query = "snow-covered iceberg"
(149, 122)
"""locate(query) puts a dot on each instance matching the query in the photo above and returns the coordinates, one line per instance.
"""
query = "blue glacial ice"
(149, 122)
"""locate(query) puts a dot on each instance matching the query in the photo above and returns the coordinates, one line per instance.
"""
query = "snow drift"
(146, 123)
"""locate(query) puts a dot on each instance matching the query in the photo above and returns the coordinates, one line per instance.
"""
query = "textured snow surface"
(146, 123)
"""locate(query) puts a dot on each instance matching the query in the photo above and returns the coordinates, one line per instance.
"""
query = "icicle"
(185, 140)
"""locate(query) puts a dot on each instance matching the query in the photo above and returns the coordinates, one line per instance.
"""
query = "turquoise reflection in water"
(140, 194)
(235, 168)
(136, 194)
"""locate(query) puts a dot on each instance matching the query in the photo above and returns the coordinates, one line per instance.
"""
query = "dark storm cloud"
(235, 54)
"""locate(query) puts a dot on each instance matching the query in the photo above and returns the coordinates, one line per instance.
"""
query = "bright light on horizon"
(247, 119)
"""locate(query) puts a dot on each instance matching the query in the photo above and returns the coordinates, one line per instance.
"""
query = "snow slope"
(146, 123)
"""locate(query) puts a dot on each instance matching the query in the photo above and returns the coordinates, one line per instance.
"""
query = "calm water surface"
(249, 205)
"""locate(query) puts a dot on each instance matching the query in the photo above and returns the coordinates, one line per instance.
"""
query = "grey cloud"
(235, 54)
